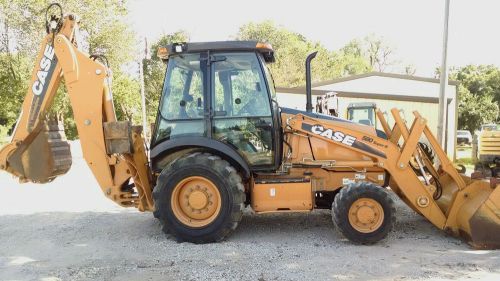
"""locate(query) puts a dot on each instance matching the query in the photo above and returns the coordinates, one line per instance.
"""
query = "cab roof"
(230, 46)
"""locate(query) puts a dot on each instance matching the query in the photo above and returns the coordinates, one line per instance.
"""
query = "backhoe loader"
(221, 142)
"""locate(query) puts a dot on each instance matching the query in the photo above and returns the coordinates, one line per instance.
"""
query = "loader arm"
(451, 201)
(114, 151)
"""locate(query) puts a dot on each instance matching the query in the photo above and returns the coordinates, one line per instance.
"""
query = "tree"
(374, 49)
(291, 50)
(103, 27)
(104, 30)
(410, 69)
(13, 72)
(479, 95)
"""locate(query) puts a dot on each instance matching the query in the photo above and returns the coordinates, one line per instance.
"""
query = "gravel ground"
(67, 230)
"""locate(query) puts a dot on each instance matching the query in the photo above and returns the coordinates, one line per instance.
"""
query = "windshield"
(364, 116)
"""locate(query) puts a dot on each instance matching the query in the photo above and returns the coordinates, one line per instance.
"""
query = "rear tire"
(484, 169)
(363, 212)
(199, 198)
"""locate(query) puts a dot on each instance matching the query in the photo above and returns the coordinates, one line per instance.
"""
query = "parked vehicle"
(464, 137)
(487, 152)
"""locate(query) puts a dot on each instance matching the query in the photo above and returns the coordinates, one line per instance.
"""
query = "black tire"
(484, 168)
(345, 199)
(227, 181)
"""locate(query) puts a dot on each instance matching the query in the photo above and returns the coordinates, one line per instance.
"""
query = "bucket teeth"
(45, 157)
(485, 232)
(479, 217)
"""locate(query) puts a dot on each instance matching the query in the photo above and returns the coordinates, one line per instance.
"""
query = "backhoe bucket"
(43, 156)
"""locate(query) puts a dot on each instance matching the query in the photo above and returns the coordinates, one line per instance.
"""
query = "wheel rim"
(196, 201)
(366, 215)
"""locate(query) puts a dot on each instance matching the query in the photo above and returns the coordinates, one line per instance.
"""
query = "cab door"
(183, 111)
(241, 111)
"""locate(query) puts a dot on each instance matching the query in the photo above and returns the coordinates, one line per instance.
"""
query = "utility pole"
(144, 56)
(441, 130)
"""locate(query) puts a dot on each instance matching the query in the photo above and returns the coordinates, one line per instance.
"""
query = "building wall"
(406, 108)
(389, 86)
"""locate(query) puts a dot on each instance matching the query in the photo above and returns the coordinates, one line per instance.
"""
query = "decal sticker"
(371, 140)
(46, 65)
(346, 181)
(360, 176)
(272, 192)
(337, 136)
(341, 137)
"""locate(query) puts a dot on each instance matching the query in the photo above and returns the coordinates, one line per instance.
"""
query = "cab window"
(183, 91)
(182, 104)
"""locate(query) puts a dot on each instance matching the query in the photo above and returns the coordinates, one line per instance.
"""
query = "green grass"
(465, 154)
(465, 161)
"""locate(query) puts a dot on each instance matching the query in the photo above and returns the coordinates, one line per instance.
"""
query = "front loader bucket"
(43, 156)
(462, 206)
(478, 216)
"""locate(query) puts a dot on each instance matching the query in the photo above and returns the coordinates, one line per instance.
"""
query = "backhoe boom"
(32, 157)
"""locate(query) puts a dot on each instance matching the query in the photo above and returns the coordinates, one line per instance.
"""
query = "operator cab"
(221, 91)
(363, 113)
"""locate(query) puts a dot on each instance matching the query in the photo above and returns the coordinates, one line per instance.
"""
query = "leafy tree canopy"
(479, 95)
(291, 50)
(104, 30)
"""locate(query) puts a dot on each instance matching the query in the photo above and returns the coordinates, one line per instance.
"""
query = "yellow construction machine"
(486, 151)
(221, 142)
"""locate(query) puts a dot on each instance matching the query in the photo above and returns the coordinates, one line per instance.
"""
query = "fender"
(228, 152)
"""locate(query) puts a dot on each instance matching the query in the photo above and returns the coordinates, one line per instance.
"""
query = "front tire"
(199, 198)
(363, 212)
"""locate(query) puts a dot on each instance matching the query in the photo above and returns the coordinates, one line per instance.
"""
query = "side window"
(240, 89)
(182, 102)
(183, 93)
(270, 81)
(362, 115)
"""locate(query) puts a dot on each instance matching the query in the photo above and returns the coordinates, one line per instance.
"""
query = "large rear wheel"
(363, 212)
(199, 198)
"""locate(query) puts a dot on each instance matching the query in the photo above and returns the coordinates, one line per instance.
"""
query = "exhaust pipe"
(309, 58)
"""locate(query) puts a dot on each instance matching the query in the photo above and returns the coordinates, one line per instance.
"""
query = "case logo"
(45, 66)
(335, 136)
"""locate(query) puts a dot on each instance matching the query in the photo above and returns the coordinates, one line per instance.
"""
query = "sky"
(413, 27)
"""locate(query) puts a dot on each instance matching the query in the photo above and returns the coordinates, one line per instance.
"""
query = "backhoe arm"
(114, 151)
